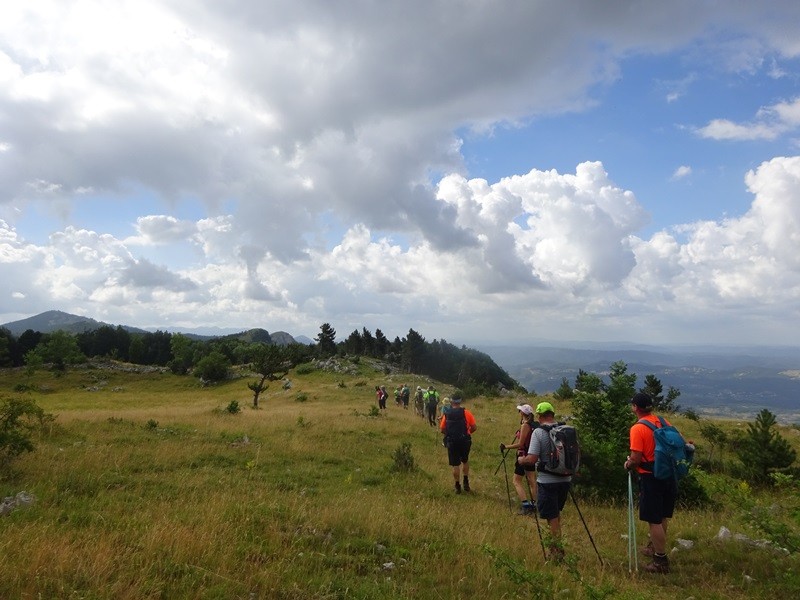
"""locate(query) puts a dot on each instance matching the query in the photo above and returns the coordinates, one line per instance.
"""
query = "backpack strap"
(649, 465)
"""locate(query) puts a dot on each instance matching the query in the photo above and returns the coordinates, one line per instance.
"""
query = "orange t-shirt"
(642, 440)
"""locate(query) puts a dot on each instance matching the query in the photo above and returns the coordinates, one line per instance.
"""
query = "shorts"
(656, 498)
(458, 451)
(551, 498)
(521, 470)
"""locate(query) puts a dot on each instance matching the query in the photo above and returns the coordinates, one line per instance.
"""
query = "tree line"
(472, 371)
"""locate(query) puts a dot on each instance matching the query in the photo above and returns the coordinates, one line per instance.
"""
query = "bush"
(305, 369)
(19, 420)
(214, 367)
(233, 408)
(403, 460)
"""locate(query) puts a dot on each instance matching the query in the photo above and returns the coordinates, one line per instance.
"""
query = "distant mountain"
(302, 339)
(734, 382)
(55, 320)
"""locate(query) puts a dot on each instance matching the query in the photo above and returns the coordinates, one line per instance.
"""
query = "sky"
(480, 171)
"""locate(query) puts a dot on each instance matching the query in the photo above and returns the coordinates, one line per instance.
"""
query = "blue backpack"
(673, 455)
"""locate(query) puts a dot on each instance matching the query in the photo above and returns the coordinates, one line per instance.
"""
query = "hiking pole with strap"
(633, 558)
(536, 517)
(585, 526)
(508, 489)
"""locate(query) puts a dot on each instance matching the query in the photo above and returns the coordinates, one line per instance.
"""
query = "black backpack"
(455, 425)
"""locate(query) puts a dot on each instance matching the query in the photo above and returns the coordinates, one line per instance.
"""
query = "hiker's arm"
(634, 460)
(528, 459)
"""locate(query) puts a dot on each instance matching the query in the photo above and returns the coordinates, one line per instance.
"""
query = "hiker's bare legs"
(658, 535)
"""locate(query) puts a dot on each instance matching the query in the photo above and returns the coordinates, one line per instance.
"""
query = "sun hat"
(525, 409)
(544, 407)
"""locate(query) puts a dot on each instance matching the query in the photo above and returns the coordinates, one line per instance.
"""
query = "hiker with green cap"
(552, 489)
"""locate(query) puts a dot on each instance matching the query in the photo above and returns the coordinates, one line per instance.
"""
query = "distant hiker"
(405, 395)
(444, 407)
(656, 496)
(524, 472)
(397, 399)
(552, 489)
(419, 402)
(431, 404)
(458, 426)
(382, 395)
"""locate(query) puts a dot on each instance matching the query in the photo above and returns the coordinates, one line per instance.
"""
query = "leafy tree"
(182, 349)
(7, 342)
(564, 391)
(715, 435)
(19, 419)
(326, 340)
(369, 342)
(588, 382)
(214, 367)
(59, 349)
(28, 341)
(354, 344)
(381, 344)
(271, 363)
(603, 417)
(412, 354)
(654, 388)
(763, 450)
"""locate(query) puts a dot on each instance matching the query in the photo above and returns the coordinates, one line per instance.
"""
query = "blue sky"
(479, 171)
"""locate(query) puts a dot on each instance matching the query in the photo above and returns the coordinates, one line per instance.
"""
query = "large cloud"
(319, 137)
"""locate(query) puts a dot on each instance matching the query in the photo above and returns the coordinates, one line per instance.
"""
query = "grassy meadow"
(147, 487)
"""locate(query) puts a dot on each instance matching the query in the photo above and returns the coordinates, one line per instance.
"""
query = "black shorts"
(458, 451)
(551, 498)
(656, 498)
(521, 470)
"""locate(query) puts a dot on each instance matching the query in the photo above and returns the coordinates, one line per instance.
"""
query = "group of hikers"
(427, 402)
(546, 457)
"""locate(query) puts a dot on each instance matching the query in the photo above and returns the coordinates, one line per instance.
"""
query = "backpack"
(564, 456)
(673, 454)
(455, 425)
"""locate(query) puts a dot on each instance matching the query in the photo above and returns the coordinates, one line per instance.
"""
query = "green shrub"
(19, 420)
(403, 459)
(151, 424)
(301, 397)
(305, 369)
(233, 407)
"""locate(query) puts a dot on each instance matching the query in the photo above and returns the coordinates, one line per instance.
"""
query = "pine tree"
(764, 450)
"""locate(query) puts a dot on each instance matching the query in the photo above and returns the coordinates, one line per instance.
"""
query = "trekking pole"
(508, 489)
(633, 558)
(585, 526)
(536, 518)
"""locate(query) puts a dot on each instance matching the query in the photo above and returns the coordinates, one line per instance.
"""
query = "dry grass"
(147, 488)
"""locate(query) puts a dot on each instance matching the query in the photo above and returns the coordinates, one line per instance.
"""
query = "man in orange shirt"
(656, 496)
(458, 425)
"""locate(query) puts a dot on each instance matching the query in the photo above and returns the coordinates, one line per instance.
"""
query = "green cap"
(544, 407)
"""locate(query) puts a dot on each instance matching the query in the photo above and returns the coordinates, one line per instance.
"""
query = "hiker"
(405, 395)
(419, 402)
(656, 496)
(552, 489)
(382, 397)
(524, 472)
(397, 399)
(431, 404)
(458, 426)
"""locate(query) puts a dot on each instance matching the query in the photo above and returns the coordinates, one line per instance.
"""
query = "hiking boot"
(660, 564)
(466, 484)
(527, 509)
(648, 550)
(458, 488)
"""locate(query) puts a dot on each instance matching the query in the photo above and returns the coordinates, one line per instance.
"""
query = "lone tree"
(326, 340)
(270, 362)
(654, 389)
(764, 450)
